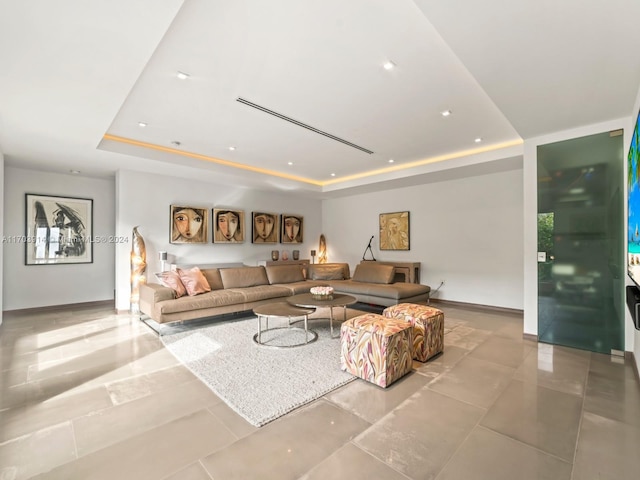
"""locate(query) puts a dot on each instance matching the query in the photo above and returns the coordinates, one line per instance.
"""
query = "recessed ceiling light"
(74, 172)
(142, 124)
(391, 160)
(289, 163)
(333, 174)
(478, 140)
(232, 148)
(389, 65)
(176, 143)
(182, 75)
(446, 113)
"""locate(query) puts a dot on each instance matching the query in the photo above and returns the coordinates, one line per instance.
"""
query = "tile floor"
(87, 394)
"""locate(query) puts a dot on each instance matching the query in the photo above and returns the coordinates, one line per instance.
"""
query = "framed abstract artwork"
(264, 227)
(228, 225)
(188, 224)
(58, 230)
(394, 231)
(291, 228)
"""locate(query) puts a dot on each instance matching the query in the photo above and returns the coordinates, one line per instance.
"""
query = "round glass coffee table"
(306, 300)
(282, 310)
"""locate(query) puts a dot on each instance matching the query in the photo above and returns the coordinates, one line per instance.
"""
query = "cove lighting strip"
(264, 171)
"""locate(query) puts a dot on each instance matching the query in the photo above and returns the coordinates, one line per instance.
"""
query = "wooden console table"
(175, 266)
(266, 263)
(405, 271)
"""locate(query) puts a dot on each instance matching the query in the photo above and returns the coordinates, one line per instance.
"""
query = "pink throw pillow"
(194, 281)
(172, 280)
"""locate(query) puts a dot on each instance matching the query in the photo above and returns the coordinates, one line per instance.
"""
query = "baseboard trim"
(96, 304)
(530, 336)
(478, 306)
(632, 357)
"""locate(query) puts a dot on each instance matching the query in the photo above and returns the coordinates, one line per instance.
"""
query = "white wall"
(46, 285)
(466, 231)
(144, 200)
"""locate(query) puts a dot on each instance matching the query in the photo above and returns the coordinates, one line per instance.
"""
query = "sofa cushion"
(394, 291)
(327, 272)
(217, 298)
(243, 277)
(372, 272)
(213, 278)
(172, 280)
(261, 292)
(194, 281)
(301, 287)
(284, 273)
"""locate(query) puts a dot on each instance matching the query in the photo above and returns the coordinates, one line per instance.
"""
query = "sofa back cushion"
(213, 278)
(329, 271)
(372, 272)
(284, 273)
(243, 277)
(194, 281)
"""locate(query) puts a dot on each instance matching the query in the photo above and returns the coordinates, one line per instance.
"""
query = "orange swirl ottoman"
(428, 327)
(376, 349)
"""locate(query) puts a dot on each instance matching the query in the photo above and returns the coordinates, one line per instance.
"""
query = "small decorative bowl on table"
(321, 293)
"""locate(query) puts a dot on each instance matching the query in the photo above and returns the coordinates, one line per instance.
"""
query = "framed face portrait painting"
(264, 227)
(291, 228)
(189, 224)
(228, 225)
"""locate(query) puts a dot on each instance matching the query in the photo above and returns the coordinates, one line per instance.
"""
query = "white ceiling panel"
(77, 71)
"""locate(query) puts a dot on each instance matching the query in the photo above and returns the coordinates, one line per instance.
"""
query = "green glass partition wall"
(580, 243)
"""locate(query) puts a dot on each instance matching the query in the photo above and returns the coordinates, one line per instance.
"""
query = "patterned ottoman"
(428, 327)
(376, 349)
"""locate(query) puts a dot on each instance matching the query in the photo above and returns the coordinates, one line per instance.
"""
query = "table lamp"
(313, 256)
(162, 256)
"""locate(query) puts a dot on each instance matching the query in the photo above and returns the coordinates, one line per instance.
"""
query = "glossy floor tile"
(87, 394)
(558, 368)
(538, 416)
(606, 449)
(474, 381)
(289, 446)
(372, 402)
(352, 463)
(486, 455)
(419, 436)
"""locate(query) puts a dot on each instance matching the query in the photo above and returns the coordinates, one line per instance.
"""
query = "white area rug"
(260, 383)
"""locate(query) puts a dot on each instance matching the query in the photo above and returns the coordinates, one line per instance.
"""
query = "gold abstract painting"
(394, 231)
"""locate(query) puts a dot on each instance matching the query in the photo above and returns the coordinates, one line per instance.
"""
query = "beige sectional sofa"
(244, 288)
(373, 283)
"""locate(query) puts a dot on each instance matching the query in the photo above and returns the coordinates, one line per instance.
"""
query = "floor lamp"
(138, 259)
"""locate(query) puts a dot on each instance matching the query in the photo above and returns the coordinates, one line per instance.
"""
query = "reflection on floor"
(87, 394)
(590, 326)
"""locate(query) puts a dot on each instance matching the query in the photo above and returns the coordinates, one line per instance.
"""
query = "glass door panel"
(580, 243)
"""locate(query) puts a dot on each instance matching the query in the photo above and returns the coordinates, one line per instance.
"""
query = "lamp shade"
(162, 256)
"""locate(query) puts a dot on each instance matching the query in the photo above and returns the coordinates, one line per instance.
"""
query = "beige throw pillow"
(172, 280)
(194, 281)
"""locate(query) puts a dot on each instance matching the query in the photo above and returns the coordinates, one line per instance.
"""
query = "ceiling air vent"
(300, 124)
